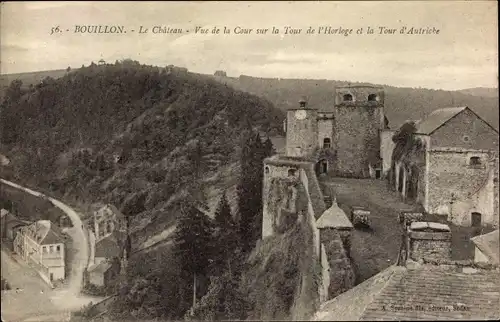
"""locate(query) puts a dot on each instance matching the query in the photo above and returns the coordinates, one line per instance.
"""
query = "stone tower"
(358, 122)
(301, 131)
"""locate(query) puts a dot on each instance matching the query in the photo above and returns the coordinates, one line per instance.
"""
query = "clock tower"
(301, 131)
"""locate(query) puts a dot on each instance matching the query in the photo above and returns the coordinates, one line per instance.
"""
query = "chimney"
(428, 240)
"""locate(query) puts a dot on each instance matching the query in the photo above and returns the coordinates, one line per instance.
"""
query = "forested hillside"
(156, 143)
(401, 104)
(132, 135)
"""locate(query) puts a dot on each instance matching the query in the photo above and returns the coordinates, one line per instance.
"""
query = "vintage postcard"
(250, 160)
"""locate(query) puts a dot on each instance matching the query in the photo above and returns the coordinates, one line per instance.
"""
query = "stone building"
(455, 172)
(342, 139)
(220, 73)
(10, 225)
(108, 237)
(427, 285)
(290, 184)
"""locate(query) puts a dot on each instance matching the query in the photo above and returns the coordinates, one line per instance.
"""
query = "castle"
(451, 170)
(351, 138)
(344, 139)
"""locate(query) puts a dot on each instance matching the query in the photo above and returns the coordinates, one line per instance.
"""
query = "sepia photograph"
(249, 160)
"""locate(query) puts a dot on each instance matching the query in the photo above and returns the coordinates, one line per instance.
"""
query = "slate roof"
(334, 217)
(436, 119)
(440, 117)
(100, 268)
(11, 221)
(48, 233)
(111, 246)
(488, 244)
(421, 293)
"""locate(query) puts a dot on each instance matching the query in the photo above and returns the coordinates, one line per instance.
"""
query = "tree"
(268, 147)
(225, 238)
(250, 191)
(193, 242)
(14, 92)
(224, 301)
(403, 139)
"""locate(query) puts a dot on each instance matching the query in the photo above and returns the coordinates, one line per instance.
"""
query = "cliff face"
(283, 273)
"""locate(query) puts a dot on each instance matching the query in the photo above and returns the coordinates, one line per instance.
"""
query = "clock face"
(300, 114)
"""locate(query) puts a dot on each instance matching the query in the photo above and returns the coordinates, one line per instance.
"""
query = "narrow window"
(51, 249)
(266, 169)
(58, 248)
(326, 143)
(475, 161)
(372, 97)
(348, 97)
(476, 219)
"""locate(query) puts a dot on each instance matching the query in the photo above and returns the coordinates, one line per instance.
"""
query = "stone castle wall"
(357, 139)
(386, 149)
(301, 135)
(430, 245)
(457, 188)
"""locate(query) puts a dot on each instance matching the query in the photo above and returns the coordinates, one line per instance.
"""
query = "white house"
(41, 244)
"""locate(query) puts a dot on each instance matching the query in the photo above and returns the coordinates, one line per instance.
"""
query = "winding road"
(60, 301)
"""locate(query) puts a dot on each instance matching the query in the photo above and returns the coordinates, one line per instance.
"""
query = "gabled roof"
(111, 246)
(11, 221)
(421, 293)
(100, 268)
(488, 244)
(333, 217)
(437, 119)
(440, 117)
(48, 233)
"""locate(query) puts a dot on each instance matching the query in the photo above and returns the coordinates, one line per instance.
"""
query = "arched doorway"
(322, 166)
(401, 179)
(412, 184)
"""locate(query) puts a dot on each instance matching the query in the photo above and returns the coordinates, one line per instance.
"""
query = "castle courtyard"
(375, 249)
(371, 250)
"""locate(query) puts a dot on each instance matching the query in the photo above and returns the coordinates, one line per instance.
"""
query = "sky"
(463, 54)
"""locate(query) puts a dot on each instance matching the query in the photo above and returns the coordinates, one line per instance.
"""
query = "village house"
(42, 245)
(108, 238)
(10, 225)
(453, 169)
(427, 285)
(487, 248)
